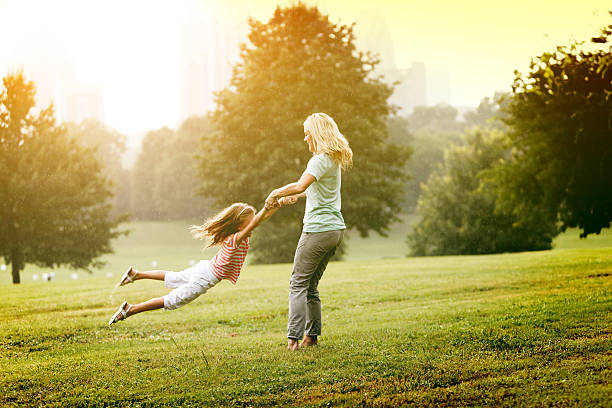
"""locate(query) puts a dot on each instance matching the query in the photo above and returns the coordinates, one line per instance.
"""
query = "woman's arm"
(260, 217)
(292, 199)
(296, 188)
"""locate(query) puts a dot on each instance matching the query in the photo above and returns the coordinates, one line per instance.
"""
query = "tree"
(428, 157)
(459, 210)
(165, 176)
(296, 64)
(428, 154)
(146, 173)
(177, 182)
(109, 145)
(54, 207)
(488, 113)
(438, 118)
(560, 121)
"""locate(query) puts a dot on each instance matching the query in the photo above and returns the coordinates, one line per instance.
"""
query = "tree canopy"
(560, 132)
(54, 199)
(109, 145)
(438, 118)
(458, 208)
(294, 65)
(164, 175)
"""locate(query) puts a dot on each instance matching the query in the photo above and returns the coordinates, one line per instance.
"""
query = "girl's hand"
(272, 201)
(275, 206)
(288, 200)
(267, 212)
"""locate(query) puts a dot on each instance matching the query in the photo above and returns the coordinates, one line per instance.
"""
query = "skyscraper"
(419, 85)
(84, 102)
(412, 88)
(208, 49)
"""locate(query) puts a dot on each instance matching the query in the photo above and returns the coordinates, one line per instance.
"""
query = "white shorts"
(189, 284)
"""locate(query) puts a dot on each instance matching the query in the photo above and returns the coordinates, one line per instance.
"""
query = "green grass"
(528, 329)
(171, 246)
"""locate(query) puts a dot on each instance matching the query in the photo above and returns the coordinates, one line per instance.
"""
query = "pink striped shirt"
(228, 261)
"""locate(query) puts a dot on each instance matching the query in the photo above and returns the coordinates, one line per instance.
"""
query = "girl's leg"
(126, 310)
(180, 296)
(133, 275)
(155, 274)
(151, 304)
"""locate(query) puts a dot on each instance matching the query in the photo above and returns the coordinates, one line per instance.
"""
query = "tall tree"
(458, 209)
(560, 120)
(428, 157)
(438, 118)
(488, 113)
(146, 172)
(165, 176)
(54, 200)
(177, 182)
(109, 145)
(296, 64)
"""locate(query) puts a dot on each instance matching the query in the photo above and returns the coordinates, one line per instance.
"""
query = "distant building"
(84, 102)
(372, 34)
(208, 50)
(419, 85)
(45, 62)
(438, 87)
(412, 88)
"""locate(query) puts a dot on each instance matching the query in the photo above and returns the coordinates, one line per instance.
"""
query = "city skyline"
(133, 53)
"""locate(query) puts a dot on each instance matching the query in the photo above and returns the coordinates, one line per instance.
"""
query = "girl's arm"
(296, 188)
(260, 217)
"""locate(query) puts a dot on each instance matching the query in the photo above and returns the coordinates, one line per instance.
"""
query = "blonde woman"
(230, 229)
(323, 224)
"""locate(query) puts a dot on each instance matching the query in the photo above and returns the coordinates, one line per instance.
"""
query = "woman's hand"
(297, 188)
(272, 200)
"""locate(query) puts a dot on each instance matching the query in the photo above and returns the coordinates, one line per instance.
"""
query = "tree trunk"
(15, 272)
(16, 266)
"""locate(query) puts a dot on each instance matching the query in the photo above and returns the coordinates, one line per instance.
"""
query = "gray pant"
(311, 257)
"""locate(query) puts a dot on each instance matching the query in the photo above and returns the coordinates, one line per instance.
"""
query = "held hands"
(273, 205)
(272, 202)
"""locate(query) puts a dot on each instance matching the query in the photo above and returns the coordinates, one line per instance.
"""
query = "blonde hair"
(328, 139)
(223, 224)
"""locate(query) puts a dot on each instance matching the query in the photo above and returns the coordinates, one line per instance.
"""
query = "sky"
(129, 49)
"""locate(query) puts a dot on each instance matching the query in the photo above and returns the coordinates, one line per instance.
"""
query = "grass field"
(527, 329)
(170, 246)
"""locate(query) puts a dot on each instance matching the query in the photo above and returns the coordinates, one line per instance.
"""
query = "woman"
(323, 223)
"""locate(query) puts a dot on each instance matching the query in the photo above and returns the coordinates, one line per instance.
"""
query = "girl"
(231, 228)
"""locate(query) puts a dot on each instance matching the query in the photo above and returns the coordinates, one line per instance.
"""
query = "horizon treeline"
(509, 176)
(162, 183)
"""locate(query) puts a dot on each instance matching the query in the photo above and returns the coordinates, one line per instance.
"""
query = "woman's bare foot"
(293, 344)
(309, 341)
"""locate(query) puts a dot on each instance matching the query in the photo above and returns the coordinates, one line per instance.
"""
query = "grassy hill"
(528, 329)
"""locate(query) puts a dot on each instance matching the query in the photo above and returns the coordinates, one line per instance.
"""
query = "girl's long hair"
(328, 139)
(222, 225)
